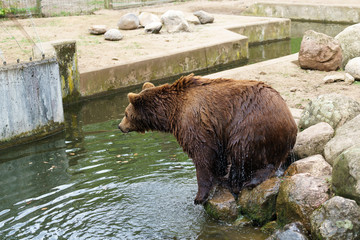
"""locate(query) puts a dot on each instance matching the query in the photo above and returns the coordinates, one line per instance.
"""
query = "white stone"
(353, 68)
(113, 35)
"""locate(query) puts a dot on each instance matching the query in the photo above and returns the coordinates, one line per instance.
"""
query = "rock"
(315, 165)
(345, 137)
(335, 109)
(146, 18)
(338, 77)
(299, 196)
(338, 218)
(174, 21)
(128, 21)
(222, 205)
(153, 27)
(312, 140)
(293, 89)
(192, 19)
(259, 203)
(346, 174)
(349, 40)
(113, 35)
(319, 52)
(204, 17)
(291, 231)
(349, 79)
(97, 29)
(353, 67)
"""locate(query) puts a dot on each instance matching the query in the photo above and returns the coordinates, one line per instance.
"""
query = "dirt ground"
(297, 86)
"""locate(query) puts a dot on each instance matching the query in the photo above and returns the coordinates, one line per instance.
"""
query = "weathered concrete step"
(306, 12)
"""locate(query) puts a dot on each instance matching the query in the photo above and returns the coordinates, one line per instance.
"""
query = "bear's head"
(135, 118)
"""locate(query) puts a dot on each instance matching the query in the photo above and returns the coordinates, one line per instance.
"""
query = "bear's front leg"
(205, 182)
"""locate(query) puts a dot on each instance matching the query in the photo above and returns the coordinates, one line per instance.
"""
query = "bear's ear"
(134, 98)
(147, 85)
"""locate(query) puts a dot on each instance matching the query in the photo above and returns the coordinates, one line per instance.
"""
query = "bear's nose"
(122, 129)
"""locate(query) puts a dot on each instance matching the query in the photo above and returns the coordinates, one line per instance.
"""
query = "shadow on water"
(92, 182)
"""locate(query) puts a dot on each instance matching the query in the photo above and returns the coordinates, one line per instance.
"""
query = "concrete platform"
(226, 41)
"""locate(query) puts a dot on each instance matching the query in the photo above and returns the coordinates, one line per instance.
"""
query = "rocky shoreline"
(318, 195)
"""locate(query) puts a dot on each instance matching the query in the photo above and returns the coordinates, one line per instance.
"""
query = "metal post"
(108, 4)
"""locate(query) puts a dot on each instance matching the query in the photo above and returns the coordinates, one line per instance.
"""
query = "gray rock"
(349, 40)
(353, 67)
(259, 203)
(204, 17)
(153, 27)
(319, 52)
(299, 196)
(146, 18)
(291, 231)
(97, 29)
(312, 140)
(345, 137)
(174, 21)
(315, 165)
(338, 218)
(346, 174)
(128, 22)
(335, 109)
(113, 35)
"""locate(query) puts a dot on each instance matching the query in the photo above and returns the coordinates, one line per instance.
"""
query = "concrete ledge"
(30, 102)
(225, 44)
(166, 65)
(267, 31)
(306, 12)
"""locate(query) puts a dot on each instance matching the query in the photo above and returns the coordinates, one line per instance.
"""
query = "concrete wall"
(30, 101)
(234, 47)
(306, 12)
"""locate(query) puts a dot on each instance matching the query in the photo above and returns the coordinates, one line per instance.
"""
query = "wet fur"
(237, 132)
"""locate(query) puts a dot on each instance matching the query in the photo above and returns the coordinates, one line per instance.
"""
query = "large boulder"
(335, 109)
(338, 218)
(299, 196)
(174, 21)
(353, 67)
(346, 174)
(259, 203)
(291, 231)
(129, 21)
(146, 18)
(312, 140)
(319, 52)
(315, 165)
(222, 205)
(349, 40)
(345, 137)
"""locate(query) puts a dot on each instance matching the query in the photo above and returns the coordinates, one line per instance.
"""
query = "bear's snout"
(122, 126)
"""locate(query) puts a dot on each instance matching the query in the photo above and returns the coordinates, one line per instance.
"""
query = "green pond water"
(93, 182)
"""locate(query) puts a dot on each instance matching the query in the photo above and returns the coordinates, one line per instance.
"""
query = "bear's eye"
(126, 115)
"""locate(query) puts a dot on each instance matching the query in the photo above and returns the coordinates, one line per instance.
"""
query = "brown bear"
(237, 132)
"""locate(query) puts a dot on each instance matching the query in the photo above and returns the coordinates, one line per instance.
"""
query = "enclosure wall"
(30, 101)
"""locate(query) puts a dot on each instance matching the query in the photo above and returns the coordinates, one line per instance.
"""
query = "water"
(93, 182)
